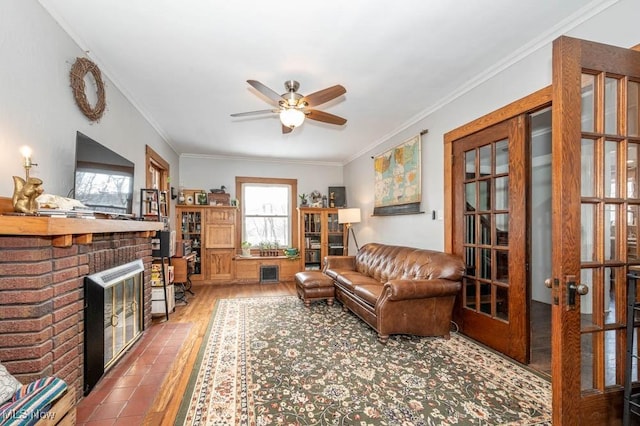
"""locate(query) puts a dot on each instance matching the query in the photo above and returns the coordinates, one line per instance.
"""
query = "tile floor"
(125, 394)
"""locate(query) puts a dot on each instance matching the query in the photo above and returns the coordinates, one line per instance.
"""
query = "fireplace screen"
(113, 317)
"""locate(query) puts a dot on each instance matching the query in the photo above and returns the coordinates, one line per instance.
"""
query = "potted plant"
(246, 248)
(303, 200)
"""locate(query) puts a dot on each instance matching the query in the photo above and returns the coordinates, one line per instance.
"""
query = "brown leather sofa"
(398, 290)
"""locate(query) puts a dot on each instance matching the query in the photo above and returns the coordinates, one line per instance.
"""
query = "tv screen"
(103, 179)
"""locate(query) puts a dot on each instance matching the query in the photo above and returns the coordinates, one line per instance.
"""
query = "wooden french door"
(596, 206)
(490, 233)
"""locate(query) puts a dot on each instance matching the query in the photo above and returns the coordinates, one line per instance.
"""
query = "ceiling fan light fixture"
(291, 117)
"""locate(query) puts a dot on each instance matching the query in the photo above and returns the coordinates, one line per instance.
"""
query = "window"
(268, 210)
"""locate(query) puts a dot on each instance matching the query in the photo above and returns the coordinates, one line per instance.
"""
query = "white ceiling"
(184, 64)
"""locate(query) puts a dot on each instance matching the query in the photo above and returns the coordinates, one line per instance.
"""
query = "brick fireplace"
(42, 292)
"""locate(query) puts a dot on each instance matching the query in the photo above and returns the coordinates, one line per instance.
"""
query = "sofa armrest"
(419, 289)
(340, 262)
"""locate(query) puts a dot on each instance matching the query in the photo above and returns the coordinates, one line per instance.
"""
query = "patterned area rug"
(273, 361)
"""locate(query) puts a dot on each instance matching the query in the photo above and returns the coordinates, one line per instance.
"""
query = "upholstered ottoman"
(314, 285)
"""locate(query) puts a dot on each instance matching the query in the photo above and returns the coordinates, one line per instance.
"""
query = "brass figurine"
(25, 194)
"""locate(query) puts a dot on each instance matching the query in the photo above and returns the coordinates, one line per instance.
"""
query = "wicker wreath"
(80, 68)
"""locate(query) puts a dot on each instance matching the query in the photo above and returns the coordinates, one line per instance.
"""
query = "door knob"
(548, 282)
(581, 289)
(574, 289)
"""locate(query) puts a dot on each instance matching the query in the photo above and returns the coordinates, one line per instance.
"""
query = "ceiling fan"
(293, 107)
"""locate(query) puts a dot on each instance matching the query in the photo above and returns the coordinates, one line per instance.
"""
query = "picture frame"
(201, 198)
(339, 196)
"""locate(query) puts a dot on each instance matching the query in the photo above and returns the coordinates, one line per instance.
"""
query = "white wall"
(37, 106)
(198, 172)
(615, 25)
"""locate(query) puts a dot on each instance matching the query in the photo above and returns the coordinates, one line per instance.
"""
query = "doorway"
(539, 236)
(595, 202)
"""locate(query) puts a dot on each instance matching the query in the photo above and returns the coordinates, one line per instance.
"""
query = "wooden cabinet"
(220, 228)
(247, 269)
(321, 235)
(189, 221)
(212, 230)
(220, 265)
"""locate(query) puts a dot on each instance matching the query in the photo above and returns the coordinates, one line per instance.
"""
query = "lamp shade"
(348, 215)
(291, 117)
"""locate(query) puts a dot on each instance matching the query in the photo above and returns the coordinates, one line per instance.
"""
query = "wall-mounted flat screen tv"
(103, 178)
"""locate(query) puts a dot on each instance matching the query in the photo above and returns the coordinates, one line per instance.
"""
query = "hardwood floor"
(198, 312)
(541, 337)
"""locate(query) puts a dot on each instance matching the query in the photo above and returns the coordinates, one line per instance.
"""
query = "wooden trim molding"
(530, 103)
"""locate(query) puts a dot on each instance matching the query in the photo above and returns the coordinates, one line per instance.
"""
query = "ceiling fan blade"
(325, 95)
(269, 93)
(325, 117)
(262, 111)
(286, 129)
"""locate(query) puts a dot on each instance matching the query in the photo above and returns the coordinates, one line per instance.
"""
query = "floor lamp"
(348, 217)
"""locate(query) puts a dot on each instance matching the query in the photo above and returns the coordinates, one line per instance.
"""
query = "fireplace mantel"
(51, 226)
(63, 230)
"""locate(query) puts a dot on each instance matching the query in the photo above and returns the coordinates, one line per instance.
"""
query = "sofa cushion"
(351, 279)
(8, 385)
(370, 293)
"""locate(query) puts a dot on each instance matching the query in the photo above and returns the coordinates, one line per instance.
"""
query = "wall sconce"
(348, 217)
(25, 191)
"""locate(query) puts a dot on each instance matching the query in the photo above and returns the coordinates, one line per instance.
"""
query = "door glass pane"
(485, 160)
(633, 91)
(588, 102)
(587, 180)
(502, 193)
(470, 293)
(587, 302)
(470, 260)
(608, 296)
(502, 303)
(470, 196)
(587, 233)
(610, 169)
(502, 266)
(485, 264)
(611, 106)
(502, 229)
(502, 156)
(470, 229)
(632, 170)
(610, 234)
(632, 232)
(470, 164)
(610, 358)
(485, 195)
(586, 344)
(485, 298)
(485, 229)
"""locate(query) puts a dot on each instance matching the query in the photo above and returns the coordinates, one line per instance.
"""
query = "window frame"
(293, 220)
